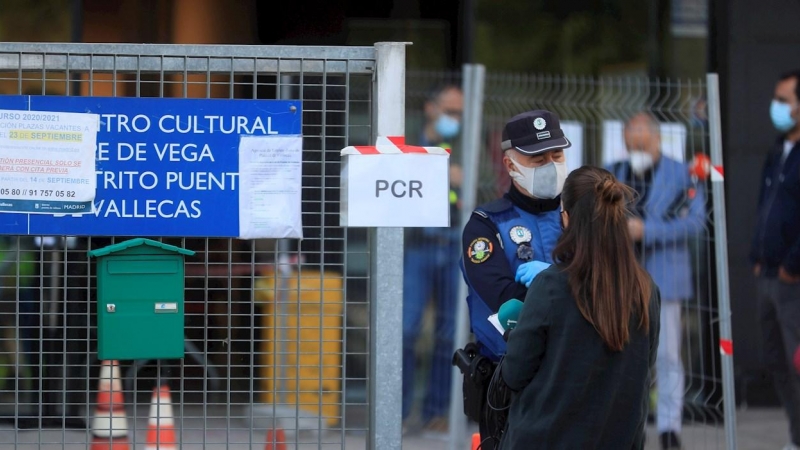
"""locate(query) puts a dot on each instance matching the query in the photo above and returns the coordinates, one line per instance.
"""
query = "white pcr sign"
(395, 185)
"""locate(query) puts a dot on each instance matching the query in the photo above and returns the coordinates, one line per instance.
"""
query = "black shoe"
(670, 440)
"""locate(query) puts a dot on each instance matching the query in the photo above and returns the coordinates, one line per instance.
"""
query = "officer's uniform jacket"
(499, 237)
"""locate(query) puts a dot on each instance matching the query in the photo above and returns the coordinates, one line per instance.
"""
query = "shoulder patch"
(479, 250)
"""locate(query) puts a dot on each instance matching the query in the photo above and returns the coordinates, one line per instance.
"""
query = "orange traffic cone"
(110, 425)
(161, 429)
(276, 439)
(476, 441)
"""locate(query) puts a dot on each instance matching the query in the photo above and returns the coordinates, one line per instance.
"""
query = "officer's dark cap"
(534, 132)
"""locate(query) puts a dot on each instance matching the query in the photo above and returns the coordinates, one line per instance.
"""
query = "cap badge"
(539, 123)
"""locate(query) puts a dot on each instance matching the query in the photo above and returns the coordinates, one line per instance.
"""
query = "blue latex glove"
(528, 271)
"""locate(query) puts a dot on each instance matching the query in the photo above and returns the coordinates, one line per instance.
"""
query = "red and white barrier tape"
(726, 347)
(392, 145)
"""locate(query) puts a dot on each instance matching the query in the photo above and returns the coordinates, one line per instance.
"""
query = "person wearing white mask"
(508, 241)
(775, 252)
(670, 210)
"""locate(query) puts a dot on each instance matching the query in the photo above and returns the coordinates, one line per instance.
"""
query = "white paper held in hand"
(496, 322)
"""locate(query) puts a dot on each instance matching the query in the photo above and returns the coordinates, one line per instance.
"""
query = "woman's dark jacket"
(572, 392)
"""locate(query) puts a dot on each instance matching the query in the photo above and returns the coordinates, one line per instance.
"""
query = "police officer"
(510, 240)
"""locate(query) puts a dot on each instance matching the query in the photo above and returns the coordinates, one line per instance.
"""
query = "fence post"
(472, 145)
(721, 247)
(386, 267)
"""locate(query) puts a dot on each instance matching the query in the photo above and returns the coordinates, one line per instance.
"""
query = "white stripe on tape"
(716, 175)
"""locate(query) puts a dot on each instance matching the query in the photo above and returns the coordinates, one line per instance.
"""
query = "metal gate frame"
(384, 61)
(721, 248)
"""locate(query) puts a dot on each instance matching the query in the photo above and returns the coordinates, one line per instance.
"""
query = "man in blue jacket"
(669, 212)
(775, 253)
(508, 241)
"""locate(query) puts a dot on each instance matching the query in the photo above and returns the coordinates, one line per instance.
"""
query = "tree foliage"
(35, 21)
(576, 36)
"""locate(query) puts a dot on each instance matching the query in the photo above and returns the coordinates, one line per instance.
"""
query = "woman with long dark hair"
(580, 356)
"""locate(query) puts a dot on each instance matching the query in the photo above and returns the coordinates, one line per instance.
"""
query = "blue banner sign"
(165, 166)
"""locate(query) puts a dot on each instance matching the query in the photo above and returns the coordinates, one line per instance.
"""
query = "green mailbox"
(140, 287)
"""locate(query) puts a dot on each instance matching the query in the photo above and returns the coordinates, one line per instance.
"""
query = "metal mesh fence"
(276, 330)
(678, 248)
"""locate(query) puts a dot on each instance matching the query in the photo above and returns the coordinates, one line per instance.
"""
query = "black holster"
(477, 370)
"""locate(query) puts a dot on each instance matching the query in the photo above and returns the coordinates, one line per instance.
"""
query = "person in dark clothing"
(775, 252)
(579, 359)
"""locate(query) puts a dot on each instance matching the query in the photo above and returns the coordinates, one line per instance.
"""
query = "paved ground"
(758, 429)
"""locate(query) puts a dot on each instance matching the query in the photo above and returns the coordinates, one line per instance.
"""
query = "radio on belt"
(140, 287)
(393, 184)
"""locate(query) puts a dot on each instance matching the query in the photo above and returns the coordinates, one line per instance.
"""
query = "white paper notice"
(574, 154)
(270, 176)
(395, 190)
(47, 162)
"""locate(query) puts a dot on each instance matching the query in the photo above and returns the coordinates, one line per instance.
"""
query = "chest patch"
(520, 234)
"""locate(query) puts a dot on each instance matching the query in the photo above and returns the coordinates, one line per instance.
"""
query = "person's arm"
(791, 265)
(791, 262)
(492, 277)
(762, 194)
(660, 231)
(526, 344)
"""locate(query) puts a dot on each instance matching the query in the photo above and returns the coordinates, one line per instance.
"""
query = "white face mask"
(640, 161)
(545, 182)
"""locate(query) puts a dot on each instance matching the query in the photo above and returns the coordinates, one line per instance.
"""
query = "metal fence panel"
(593, 112)
(277, 331)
